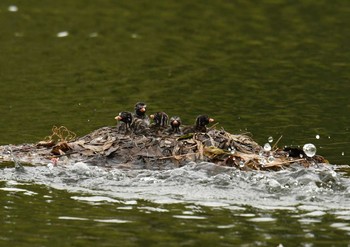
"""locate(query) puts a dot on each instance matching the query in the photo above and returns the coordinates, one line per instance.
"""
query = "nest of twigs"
(111, 147)
(108, 146)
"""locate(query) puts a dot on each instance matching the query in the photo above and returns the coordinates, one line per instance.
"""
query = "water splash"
(267, 147)
(309, 149)
(200, 183)
(232, 150)
(271, 159)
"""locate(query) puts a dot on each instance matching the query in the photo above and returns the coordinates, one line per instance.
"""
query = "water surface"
(272, 68)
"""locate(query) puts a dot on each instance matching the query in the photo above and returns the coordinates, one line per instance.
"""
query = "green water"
(140, 223)
(268, 67)
(272, 68)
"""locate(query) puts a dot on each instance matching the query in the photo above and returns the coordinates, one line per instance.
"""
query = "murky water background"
(271, 68)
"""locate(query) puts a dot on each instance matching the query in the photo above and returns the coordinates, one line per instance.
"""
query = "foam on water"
(112, 221)
(314, 190)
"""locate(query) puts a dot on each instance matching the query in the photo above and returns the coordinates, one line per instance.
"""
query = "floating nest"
(110, 147)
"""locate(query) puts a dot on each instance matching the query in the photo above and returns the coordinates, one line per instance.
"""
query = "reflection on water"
(272, 68)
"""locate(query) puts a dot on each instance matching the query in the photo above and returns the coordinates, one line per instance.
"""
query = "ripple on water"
(213, 204)
(307, 221)
(247, 215)
(277, 207)
(190, 217)
(112, 221)
(262, 219)
(226, 226)
(310, 208)
(95, 199)
(96, 220)
(25, 192)
(153, 209)
(341, 226)
(343, 217)
(130, 202)
(342, 214)
(125, 208)
(71, 218)
(315, 214)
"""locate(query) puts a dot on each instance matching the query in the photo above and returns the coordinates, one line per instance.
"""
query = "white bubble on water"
(241, 164)
(18, 34)
(50, 166)
(93, 35)
(342, 153)
(267, 147)
(262, 162)
(62, 34)
(270, 139)
(309, 149)
(13, 8)
(317, 137)
(271, 159)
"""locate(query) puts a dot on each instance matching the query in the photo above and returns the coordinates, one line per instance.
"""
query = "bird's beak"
(118, 118)
(143, 109)
(211, 120)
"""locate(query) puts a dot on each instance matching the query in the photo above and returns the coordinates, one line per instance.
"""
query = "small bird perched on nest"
(140, 112)
(200, 126)
(161, 120)
(131, 124)
(175, 123)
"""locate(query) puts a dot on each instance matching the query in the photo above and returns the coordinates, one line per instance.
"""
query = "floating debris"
(270, 139)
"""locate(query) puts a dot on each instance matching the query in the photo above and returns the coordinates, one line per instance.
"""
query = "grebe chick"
(140, 112)
(175, 123)
(200, 126)
(132, 125)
